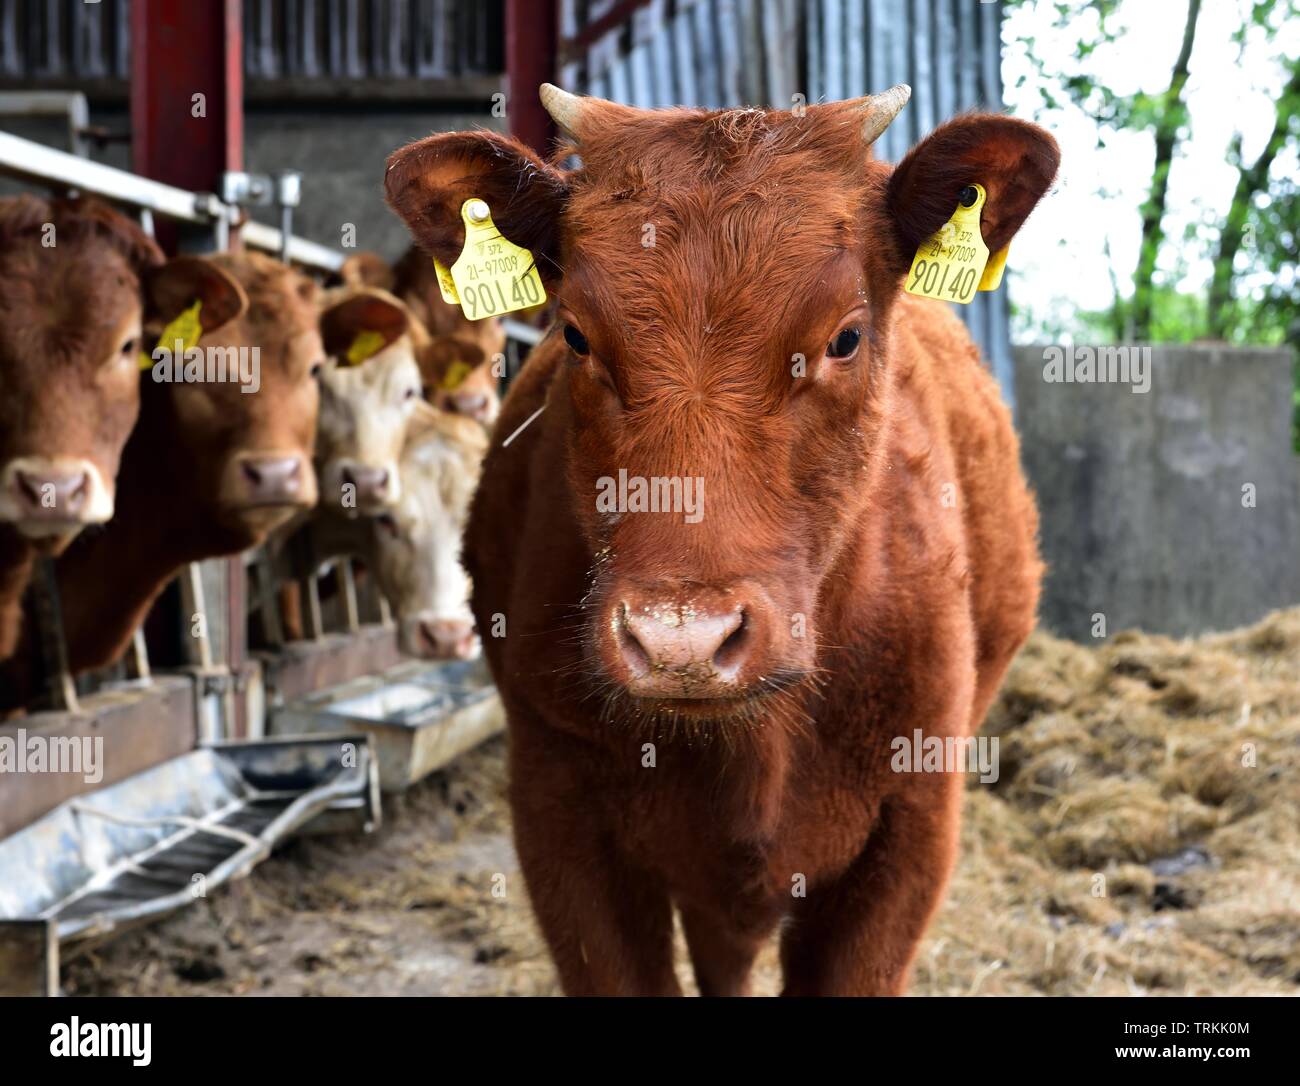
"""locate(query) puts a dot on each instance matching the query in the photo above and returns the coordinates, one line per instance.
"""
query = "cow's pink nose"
(370, 484)
(52, 495)
(446, 639)
(475, 405)
(272, 479)
(675, 650)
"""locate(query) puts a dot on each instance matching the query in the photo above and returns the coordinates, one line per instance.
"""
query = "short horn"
(566, 109)
(881, 109)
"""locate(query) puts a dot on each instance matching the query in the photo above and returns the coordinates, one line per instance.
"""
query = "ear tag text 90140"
(492, 275)
(949, 265)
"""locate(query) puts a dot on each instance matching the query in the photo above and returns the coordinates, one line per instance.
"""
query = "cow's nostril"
(634, 653)
(54, 494)
(732, 652)
(272, 479)
(30, 487)
(446, 638)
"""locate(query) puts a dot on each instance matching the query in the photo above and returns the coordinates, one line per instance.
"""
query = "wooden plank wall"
(724, 53)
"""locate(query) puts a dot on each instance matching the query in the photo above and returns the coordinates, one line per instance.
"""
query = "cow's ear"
(443, 352)
(178, 284)
(427, 182)
(366, 269)
(366, 311)
(1014, 161)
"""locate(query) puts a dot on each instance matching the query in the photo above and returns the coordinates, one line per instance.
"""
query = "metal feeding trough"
(155, 841)
(419, 715)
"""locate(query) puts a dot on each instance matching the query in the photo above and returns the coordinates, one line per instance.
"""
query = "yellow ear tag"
(455, 376)
(366, 344)
(446, 286)
(493, 275)
(948, 265)
(185, 327)
(992, 277)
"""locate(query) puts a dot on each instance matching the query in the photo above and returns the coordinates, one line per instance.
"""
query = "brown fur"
(68, 389)
(827, 505)
(174, 504)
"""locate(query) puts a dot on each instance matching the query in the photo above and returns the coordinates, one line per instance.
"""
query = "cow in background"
(209, 469)
(412, 548)
(460, 378)
(364, 269)
(417, 559)
(704, 702)
(78, 283)
(365, 402)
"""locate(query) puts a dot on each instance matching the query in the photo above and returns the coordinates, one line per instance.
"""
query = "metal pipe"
(41, 165)
(36, 163)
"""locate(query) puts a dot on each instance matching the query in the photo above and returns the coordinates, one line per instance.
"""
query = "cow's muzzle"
(53, 496)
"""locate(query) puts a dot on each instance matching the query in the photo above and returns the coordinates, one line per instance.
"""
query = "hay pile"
(1143, 836)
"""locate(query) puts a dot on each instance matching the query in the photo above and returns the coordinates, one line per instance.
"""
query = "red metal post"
(532, 29)
(187, 129)
(187, 90)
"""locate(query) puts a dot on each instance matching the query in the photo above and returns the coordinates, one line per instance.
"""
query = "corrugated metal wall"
(723, 53)
(288, 42)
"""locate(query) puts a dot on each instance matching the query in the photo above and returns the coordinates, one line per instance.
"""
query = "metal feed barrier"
(136, 851)
(166, 737)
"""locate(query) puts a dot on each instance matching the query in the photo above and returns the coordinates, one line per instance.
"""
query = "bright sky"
(1059, 257)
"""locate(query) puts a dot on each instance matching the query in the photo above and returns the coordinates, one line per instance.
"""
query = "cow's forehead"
(52, 309)
(716, 262)
(741, 210)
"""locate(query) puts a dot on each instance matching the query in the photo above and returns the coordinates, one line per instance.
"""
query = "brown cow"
(77, 280)
(702, 707)
(209, 469)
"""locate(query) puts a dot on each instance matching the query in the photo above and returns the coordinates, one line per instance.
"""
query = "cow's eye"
(131, 346)
(410, 393)
(316, 368)
(576, 340)
(845, 344)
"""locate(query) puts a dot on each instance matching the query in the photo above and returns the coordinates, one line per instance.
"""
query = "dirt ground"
(1143, 837)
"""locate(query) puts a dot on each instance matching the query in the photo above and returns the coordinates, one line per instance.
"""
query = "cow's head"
(78, 283)
(242, 437)
(460, 377)
(418, 541)
(365, 404)
(727, 285)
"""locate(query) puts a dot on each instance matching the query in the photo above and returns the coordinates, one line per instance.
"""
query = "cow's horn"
(566, 109)
(881, 109)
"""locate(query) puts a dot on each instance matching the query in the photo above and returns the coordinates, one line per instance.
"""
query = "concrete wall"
(1145, 499)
